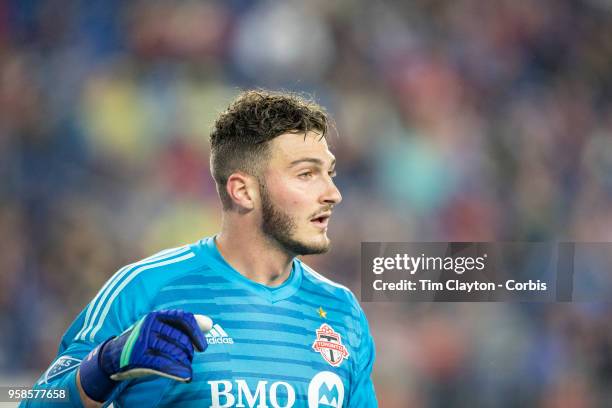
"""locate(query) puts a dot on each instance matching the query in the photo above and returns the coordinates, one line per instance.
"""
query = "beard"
(280, 227)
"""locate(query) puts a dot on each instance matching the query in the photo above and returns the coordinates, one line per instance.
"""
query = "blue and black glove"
(161, 343)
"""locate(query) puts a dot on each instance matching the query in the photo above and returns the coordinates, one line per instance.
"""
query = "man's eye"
(305, 175)
(333, 174)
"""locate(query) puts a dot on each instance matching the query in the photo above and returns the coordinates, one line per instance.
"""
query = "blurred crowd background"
(457, 120)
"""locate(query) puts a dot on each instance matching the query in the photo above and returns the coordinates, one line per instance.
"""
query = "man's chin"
(308, 248)
(312, 250)
(316, 248)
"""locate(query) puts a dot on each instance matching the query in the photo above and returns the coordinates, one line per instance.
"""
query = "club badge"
(329, 345)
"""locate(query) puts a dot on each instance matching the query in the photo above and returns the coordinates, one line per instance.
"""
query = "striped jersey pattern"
(305, 343)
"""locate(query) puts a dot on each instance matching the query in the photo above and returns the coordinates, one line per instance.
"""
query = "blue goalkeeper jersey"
(305, 343)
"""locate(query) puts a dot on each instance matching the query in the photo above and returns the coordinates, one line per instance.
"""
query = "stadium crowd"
(459, 120)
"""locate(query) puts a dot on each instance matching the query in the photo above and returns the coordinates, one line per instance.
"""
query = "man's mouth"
(321, 220)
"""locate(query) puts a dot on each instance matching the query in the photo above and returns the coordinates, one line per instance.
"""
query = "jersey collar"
(271, 293)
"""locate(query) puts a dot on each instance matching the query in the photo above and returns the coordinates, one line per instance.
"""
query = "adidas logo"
(217, 335)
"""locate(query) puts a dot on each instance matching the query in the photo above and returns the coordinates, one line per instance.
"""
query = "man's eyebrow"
(311, 160)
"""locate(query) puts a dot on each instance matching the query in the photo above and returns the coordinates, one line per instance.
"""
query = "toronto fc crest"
(329, 344)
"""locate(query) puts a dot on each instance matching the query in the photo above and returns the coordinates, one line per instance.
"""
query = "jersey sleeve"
(362, 393)
(61, 378)
(114, 309)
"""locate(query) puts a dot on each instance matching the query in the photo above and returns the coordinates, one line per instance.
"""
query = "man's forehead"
(290, 147)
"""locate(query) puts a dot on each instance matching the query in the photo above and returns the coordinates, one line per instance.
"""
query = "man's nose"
(332, 195)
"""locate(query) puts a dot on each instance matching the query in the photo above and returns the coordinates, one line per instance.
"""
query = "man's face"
(298, 193)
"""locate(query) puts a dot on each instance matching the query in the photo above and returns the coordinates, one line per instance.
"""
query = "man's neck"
(251, 254)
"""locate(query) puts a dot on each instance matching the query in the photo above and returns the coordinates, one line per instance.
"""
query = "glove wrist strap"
(95, 382)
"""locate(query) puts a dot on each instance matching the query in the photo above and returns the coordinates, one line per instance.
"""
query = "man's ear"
(242, 190)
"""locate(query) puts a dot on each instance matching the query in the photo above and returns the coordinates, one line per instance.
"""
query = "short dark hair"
(240, 136)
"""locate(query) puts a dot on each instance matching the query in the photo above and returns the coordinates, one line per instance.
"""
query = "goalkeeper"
(283, 335)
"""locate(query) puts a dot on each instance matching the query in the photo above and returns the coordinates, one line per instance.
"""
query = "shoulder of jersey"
(179, 259)
(149, 273)
(328, 286)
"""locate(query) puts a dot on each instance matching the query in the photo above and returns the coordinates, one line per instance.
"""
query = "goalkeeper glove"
(161, 343)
